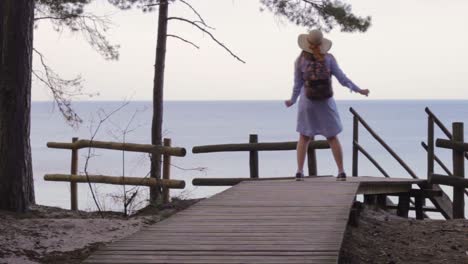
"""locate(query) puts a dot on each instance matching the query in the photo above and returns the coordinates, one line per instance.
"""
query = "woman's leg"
(337, 151)
(302, 146)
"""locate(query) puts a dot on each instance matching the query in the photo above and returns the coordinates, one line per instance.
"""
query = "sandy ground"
(385, 238)
(53, 235)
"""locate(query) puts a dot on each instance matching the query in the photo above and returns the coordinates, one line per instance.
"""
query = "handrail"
(438, 123)
(147, 148)
(451, 181)
(441, 126)
(264, 146)
(459, 148)
(449, 144)
(441, 164)
(116, 180)
(433, 119)
(372, 160)
(382, 142)
(165, 150)
(254, 147)
(443, 203)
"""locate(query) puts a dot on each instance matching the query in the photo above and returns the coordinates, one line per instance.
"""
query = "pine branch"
(62, 90)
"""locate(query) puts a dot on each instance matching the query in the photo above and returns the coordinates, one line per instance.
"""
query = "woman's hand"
(288, 103)
(364, 92)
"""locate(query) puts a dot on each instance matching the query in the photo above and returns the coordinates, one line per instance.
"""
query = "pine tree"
(16, 47)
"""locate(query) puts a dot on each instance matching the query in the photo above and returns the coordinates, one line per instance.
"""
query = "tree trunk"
(16, 42)
(158, 86)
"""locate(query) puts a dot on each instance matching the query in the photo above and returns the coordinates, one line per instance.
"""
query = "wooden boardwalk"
(281, 221)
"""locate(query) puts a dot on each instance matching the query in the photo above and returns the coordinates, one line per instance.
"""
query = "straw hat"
(315, 37)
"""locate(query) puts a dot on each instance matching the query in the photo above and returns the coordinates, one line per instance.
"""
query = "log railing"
(166, 151)
(457, 180)
(432, 120)
(357, 119)
(442, 203)
(253, 147)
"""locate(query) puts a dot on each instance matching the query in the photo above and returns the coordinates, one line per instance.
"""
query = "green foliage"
(323, 14)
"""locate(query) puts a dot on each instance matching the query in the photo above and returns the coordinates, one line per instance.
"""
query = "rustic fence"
(254, 147)
(434, 192)
(165, 150)
(457, 178)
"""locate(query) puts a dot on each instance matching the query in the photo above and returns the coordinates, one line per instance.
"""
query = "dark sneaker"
(341, 177)
(299, 176)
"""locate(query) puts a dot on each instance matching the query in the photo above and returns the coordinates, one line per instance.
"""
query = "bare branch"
(103, 118)
(209, 34)
(196, 13)
(184, 40)
(62, 90)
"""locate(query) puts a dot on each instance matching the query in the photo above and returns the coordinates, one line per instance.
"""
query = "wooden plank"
(247, 224)
(227, 260)
(369, 189)
(215, 253)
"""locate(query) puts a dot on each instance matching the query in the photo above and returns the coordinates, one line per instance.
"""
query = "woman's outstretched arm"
(343, 79)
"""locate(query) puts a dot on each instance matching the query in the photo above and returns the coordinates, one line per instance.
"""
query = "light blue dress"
(318, 117)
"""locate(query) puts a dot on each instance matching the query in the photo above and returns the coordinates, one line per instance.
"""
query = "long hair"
(316, 53)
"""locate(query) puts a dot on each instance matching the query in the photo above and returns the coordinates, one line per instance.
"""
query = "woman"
(317, 112)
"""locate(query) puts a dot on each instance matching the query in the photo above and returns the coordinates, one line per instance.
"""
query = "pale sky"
(415, 49)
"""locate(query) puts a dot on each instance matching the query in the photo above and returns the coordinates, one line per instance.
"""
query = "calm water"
(401, 123)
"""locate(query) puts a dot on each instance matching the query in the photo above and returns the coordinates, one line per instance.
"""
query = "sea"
(401, 123)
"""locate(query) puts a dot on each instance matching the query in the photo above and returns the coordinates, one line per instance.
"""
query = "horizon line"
(244, 100)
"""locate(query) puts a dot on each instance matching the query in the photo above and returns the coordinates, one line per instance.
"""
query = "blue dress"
(318, 117)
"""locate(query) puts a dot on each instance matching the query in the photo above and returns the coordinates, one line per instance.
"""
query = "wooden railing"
(166, 151)
(431, 156)
(357, 148)
(254, 147)
(457, 178)
(442, 203)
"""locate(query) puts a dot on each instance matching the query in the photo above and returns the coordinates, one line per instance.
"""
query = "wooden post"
(419, 204)
(403, 205)
(369, 199)
(458, 171)
(382, 201)
(312, 161)
(74, 171)
(355, 148)
(430, 154)
(430, 147)
(166, 171)
(253, 156)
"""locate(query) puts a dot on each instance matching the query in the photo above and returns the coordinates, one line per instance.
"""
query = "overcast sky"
(415, 49)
